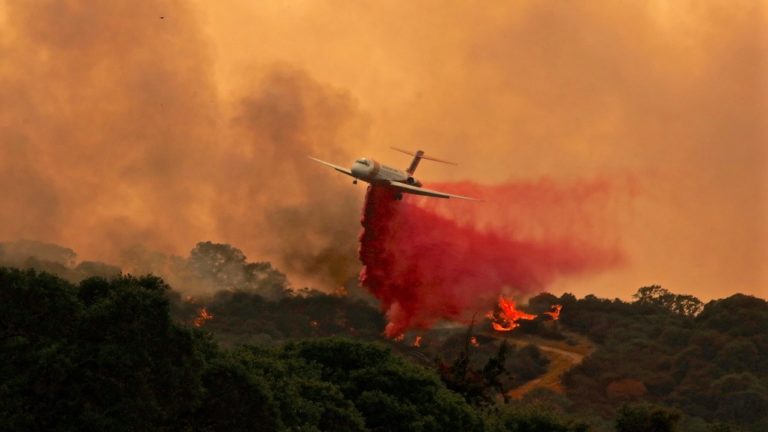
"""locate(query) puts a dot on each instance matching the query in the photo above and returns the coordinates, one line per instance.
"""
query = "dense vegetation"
(106, 355)
(712, 365)
(246, 317)
(100, 351)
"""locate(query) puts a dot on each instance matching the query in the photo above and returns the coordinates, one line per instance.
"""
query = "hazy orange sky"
(129, 127)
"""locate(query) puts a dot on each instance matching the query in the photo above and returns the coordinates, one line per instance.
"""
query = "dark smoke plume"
(116, 140)
(298, 212)
(425, 266)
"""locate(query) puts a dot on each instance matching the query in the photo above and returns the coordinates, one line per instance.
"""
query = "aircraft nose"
(357, 170)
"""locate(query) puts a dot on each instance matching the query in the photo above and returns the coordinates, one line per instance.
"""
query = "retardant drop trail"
(424, 266)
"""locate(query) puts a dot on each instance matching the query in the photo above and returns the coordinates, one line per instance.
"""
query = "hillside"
(705, 362)
(603, 365)
(562, 357)
(107, 355)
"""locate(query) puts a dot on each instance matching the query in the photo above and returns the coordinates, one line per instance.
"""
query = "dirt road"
(561, 358)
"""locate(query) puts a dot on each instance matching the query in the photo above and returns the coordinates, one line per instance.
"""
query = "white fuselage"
(374, 172)
(399, 181)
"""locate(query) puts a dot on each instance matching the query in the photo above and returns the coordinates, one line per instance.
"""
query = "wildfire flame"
(202, 317)
(555, 312)
(506, 319)
(400, 337)
(417, 342)
(474, 342)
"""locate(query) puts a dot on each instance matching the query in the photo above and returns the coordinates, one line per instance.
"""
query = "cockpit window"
(363, 161)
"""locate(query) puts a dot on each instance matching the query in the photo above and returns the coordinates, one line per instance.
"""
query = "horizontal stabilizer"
(420, 154)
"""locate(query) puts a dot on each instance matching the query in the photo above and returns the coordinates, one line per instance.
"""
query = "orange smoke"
(121, 129)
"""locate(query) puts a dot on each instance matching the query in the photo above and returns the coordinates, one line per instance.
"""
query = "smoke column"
(116, 141)
(426, 263)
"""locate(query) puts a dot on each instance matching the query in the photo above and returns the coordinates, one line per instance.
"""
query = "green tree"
(645, 417)
(683, 304)
(225, 268)
(38, 312)
(92, 357)
(495, 369)
(530, 418)
(304, 399)
(391, 394)
(542, 303)
(738, 315)
(236, 399)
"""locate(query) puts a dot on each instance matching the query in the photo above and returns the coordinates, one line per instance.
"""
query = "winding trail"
(561, 358)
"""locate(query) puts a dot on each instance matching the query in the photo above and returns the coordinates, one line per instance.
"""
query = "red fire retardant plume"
(427, 259)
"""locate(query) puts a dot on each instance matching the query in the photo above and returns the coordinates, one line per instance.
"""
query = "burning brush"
(507, 316)
(202, 317)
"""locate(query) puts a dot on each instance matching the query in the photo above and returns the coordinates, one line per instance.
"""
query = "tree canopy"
(120, 353)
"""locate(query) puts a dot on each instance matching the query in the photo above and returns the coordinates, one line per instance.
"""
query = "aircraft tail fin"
(417, 157)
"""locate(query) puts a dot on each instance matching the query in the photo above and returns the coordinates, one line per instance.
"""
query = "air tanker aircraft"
(375, 173)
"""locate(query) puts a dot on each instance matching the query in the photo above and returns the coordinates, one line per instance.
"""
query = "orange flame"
(474, 342)
(555, 312)
(202, 317)
(507, 318)
(314, 323)
(417, 342)
(400, 337)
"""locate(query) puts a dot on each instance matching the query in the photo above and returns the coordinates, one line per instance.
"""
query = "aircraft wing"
(336, 167)
(428, 192)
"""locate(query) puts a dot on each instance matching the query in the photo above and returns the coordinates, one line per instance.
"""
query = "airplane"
(375, 173)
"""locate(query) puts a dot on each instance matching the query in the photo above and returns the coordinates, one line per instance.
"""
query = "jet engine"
(412, 181)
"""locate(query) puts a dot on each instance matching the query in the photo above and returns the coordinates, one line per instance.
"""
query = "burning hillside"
(507, 316)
